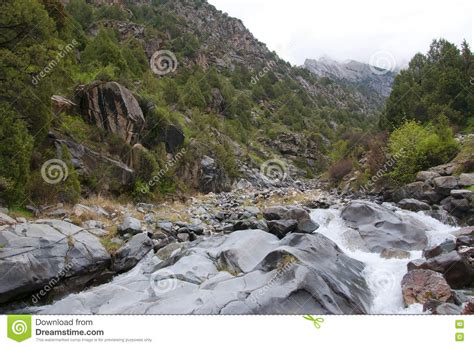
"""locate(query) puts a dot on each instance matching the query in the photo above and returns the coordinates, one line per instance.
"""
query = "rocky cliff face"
(112, 107)
(373, 84)
(226, 40)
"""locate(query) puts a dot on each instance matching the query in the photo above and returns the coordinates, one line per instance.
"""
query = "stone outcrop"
(439, 189)
(34, 254)
(132, 252)
(381, 228)
(283, 220)
(246, 272)
(212, 178)
(173, 137)
(112, 107)
(452, 258)
(88, 162)
(124, 29)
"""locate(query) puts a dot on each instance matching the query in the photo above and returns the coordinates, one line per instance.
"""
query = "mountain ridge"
(373, 82)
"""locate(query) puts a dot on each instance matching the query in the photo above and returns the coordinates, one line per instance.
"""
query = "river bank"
(274, 251)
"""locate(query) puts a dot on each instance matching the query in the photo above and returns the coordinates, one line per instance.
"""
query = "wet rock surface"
(382, 228)
(419, 286)
(439, 188)
(247, 251)
(246, 272)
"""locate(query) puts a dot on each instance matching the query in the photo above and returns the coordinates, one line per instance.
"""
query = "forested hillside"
(219, 95)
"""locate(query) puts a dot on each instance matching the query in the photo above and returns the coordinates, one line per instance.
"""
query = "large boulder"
(464, 236)
(466, 179)
(419, 286)
(112, 107)
(444, 247)
(306, 226)
(414, 205)
(246, 272)
(33, 254)
(382, 228)
(173, 138)
(6, 219)
(445, 169)
(423, 176)
(445, 184)
(130, 225)
(469, 307)
(212, 177)
(422, 191)
(132, 252)
(282, 227)
(275, 213)
(462, 194)
(292, 213)
(456, 266)
(439, 307)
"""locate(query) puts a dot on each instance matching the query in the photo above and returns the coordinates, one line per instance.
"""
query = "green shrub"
(104, 50)
(416, 147)
(144, 164)
(64, 185)
(81, 12)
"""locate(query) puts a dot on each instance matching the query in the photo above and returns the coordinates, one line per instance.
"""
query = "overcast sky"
(364, 30)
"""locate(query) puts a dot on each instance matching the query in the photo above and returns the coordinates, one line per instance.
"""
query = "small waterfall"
(383, 276)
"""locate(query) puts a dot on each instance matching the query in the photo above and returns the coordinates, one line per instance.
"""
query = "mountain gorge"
(187, 76)
(156, 158)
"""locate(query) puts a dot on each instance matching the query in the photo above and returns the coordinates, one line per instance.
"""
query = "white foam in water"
(383, 275)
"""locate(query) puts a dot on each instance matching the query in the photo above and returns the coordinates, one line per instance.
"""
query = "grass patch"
(286, 260)
(107, 242)
(16, 212)
(110, 246)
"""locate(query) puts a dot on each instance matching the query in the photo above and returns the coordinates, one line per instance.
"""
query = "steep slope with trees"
(225, 97)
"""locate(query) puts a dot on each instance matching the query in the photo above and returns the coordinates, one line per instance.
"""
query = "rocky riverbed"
(270, 251)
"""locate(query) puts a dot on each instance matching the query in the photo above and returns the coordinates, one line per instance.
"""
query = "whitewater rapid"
(383, 276)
